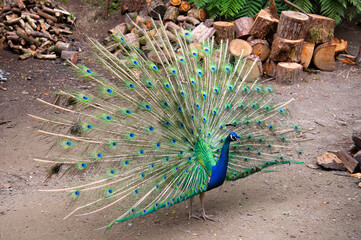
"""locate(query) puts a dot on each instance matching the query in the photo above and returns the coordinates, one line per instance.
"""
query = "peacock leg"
(204, 216)
(191, 215)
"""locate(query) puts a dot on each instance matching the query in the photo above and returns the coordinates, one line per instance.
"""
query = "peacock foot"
(194, 216)
(207, 217)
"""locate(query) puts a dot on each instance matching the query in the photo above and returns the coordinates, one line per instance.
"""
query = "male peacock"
(151, 135)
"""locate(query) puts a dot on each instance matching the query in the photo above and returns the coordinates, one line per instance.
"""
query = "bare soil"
(298, 202)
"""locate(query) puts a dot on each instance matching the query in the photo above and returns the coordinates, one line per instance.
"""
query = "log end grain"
(288, 72)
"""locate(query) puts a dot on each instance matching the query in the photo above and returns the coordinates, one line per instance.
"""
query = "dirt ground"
(298, 202)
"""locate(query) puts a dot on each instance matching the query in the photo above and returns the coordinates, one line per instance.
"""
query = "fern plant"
(232, 9)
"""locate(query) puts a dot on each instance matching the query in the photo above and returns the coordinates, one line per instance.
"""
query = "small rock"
(330, 161)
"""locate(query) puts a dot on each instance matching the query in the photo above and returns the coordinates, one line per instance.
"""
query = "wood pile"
(36, 29)
(343, 160)
(282, 45)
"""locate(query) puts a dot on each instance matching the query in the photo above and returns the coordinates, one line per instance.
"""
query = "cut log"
(192, 20)
(176, 2)
(260, 48)
(324, 57)
(200, 14)
(252, 68)
(209, 22)
(184, 7)
(202, 32)
(45, 15)
(45, 56)
(172, 26)
(243, 26)
(224, 31)
(350, 163)
(240, 48)
(330, 161)
(292, 25)
(356, 138)
(263, 25)
(156, 8)
(341, 45)
(288, 73)
(171, 14)
(72, 56)
(119, 29)
(269, 68)
(284, 50)
(307, 53)
(320, 29)
(273, 9)
(357, 157)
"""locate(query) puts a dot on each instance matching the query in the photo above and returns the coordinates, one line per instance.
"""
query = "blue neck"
(219, 171)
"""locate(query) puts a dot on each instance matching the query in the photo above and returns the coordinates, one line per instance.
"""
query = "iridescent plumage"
(153, 134)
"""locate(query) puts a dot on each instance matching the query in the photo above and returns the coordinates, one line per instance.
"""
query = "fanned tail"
(129, 144)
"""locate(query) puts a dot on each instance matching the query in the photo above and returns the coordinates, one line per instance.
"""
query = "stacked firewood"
(33, 28)
(287, 45)
(279, 47)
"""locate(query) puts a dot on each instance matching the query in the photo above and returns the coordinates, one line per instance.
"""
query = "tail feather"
(129, 143)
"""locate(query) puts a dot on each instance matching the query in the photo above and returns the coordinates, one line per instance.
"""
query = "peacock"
(151, 134)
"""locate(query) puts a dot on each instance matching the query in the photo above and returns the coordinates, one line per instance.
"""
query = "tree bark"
(263, 25)
(284, 50)
(269, 67)
(156, 8)
(171, 14)
(320, 29)
(243, 26)
(200, 14)
(224, 31)
(292, 25)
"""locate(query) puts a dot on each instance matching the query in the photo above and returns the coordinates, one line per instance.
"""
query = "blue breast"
(219, 171)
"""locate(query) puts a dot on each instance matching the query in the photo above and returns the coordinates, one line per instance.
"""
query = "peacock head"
(233, 137)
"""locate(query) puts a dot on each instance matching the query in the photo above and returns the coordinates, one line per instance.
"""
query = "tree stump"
(324, 56)
(252, 68)
(224, 31)
(263, 25)
(200, 14)
(269, 68)
(288, 73)
(284, 50)
(260, 48)
(156, 8)
(307, 53)
(243, 26)
(240, 48)
(320, 29)
(292, 25)
(171, 14)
